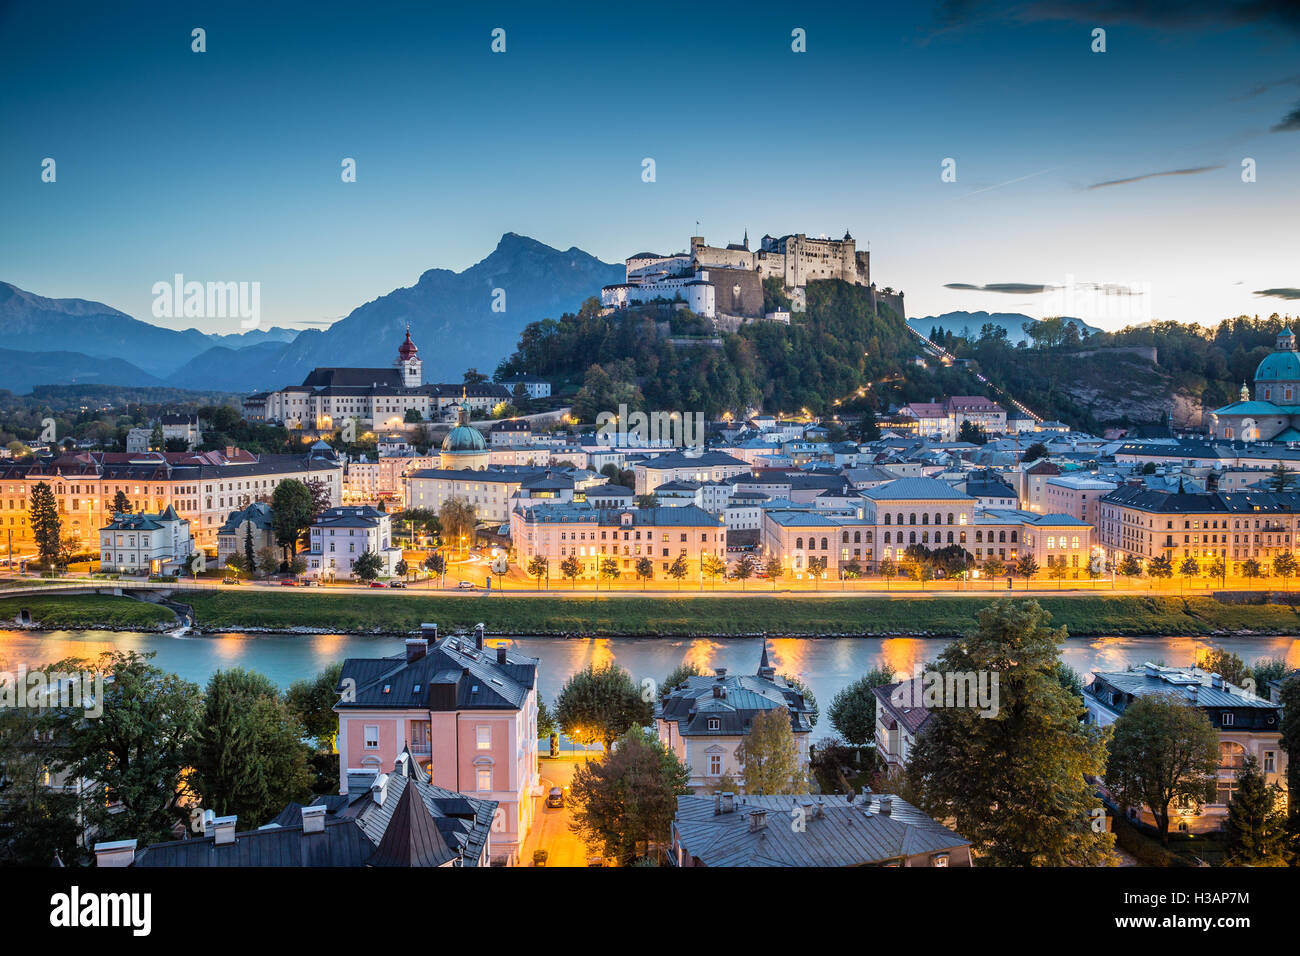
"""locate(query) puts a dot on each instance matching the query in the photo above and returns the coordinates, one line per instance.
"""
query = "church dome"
(464, 439)
(1279, 367)
(407, 349)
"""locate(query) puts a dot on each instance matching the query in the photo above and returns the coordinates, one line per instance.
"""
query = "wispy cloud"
(1018, 179)
(1278, 293)
(1192, 171)
(1035, 288)
(1290, 123)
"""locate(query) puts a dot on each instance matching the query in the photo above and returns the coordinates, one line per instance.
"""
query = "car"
(397, 584)
(230, 580)
(555, 798)
(376, 584)
(595, 861)
(467, 585)
(540, 857)
(288, 583)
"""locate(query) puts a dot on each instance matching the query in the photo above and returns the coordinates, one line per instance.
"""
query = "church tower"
(408, 360)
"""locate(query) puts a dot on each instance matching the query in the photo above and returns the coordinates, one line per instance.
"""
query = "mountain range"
(460, 320)
(968, 324)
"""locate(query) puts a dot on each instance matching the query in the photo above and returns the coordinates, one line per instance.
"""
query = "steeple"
(1245, 392)
(747, 238)
(765, 669)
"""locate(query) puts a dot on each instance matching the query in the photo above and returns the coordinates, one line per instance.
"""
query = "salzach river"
(826, 664)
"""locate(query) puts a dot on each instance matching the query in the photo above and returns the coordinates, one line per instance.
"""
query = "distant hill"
(22, 371)
(968, 324)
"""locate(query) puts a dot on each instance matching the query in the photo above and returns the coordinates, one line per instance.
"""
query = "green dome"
(1279, 367)
(464, 438)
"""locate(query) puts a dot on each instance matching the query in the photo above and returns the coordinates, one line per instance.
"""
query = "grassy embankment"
(626, 615)
(85, 612)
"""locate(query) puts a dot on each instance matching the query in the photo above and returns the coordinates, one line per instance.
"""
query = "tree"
(249, 758)
(1057, 571)
(1229, 666)
(401, 568)
(600, 704)
(1289, 700)
(1218, 568)
(1162, 750)
(457, 518)
(46, 525)
(1284, 565)
(625, 801)
(570, 568)
(774, 570)
(367, 565)
(678, 570)
(647, 501)
(137, 752)
(1250, 569)
(853, 710)
(1280, 479)
(993, 568)
(546, 725)
(971, 432)
(312, 700)
(1188, 568)
(268, 561)
(235, 564)
(713, 567)
(1026, 567)
(1129, 567)
(770, 755)
(678, 676)
(1038, 808)
(538, 567)
(816, 568)
(1034, 452)
(1256, 825)
(412, 415)
(1160, 567)
(609, 569)
(645, 570)
(291, 514)
(851, 570)
(888, 570)
(744, 569)
(121, 503)
(250, 559)
(867, 429)
(435, 564)
(157, 441)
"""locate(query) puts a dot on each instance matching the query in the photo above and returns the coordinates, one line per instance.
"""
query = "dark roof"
(1182, 502)
(452, 675)
(733, 701)
(411, 837)
(352, 377)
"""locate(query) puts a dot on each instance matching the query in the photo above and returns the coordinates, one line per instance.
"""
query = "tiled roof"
(915, 489)
(452, 675)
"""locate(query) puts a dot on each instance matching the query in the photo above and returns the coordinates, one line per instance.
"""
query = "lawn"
(85, 611)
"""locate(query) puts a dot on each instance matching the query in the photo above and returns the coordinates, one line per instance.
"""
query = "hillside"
(25, 370)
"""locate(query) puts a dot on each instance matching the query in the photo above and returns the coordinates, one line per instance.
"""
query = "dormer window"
(715, 723)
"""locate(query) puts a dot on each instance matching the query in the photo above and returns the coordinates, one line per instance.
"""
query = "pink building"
(466, 712)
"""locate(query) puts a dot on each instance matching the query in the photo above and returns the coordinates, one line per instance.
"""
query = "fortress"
(721, 282)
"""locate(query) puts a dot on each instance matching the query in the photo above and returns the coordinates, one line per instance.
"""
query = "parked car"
(230, 580)
(376, 584)
(288, 583)
(467, 585)
(397, 584)
(555, 798)
(595, 861)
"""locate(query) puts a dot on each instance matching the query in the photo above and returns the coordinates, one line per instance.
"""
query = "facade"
(1235, 526)
(690, 465)
(834, 830)
(203, 487)
(899, 720)
(185, 428)
(1247, 725)
(491, 491)
(255, 520)
(341, 535)
(466, 712)
(535, 388)
(706, 719)
(1274, 413)
(555, 532)
(153, 543)
(923, 511)
(1076, 495)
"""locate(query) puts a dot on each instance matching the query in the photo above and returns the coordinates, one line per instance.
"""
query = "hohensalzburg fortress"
(718, 282)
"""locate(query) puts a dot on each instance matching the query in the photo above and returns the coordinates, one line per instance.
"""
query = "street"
(550, 830)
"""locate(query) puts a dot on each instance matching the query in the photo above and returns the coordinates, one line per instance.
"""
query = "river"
(825, 664)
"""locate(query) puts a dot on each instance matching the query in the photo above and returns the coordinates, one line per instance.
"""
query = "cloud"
(1170, 172)
(1007, 288)
(1278, 293)
(1151, 13)
(1290, 123)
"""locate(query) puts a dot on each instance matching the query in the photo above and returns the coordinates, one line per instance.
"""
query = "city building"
(467, 714)
(1274, 413)
(254, 520)
(900, 720)
(341, 535)
(690, 464)
(184, 428)
(152, 543)
(534, 387)
(705, 720)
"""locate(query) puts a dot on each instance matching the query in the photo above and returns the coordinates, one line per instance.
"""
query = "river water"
(825, 664)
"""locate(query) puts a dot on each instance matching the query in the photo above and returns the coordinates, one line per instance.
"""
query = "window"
(715, 723)
(484, 777)
(1227, 719)
(1270, 761)
(483, 737)
(372, 737)
(715, 765)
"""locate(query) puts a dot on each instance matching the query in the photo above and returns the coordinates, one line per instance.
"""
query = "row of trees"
(162, 747)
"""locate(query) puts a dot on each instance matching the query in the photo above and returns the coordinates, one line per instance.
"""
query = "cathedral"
(1274, 413)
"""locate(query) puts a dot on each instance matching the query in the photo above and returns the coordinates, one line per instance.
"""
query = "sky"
(1107, 185)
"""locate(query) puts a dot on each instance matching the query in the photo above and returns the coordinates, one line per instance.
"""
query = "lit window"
(483, 737)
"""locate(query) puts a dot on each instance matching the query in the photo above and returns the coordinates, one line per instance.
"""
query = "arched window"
(844, 537)
(938, 518)
(798, 543)
(1002, 536)
(887, 517)
(857, 537)
(925, 518)
(950, 537)
(950, 517)
(900, 518)
(925, 537)
(824, 547)
(887, 534)
(979, 536)
(1014, 536)
(1231, 755)
(869, 541)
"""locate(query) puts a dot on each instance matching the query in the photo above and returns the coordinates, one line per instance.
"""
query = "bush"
(1146, 850)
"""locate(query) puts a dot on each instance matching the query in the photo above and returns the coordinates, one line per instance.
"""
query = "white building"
(341, 535)
(156, 543)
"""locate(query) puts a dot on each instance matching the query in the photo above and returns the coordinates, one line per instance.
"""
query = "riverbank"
(627, 616)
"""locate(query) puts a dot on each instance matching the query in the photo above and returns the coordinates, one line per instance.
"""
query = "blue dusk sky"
(1113, 179)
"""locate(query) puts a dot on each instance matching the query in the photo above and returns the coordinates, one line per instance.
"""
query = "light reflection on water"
(825, 664)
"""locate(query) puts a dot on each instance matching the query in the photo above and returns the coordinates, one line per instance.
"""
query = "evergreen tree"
(46, 523)
(250, 559)
(1256, 825)
(1037, 809)
(291, 514)
(121, 503)
(1289, 699)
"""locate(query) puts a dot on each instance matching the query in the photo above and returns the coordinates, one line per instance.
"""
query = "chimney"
(719, 691)
(379, 789)
(223, 830)
(721, 672)
(115, 853)
(717, 804)
(416, 648)
(208, 817)
(401, 766)
(429, 632)
(1216, 681)
(728, 801)
(1151, 670)
(757, 819)
(478, 636)
(1193, 692)
(501, 655)
(821, 809)
(313, 819)
(886, 805)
